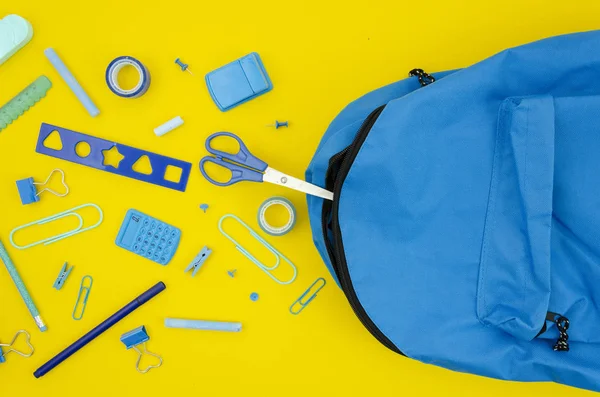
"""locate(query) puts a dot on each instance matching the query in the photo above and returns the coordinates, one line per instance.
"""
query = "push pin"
(254, 297)
(133, 339)
(28, 192)
(279, 124)
(183, 66)
(11, 349)
(231, 273)
(204, 207)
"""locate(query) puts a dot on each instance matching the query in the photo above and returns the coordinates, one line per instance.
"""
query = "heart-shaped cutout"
(62, 181)
(144, 354)
(11, 345)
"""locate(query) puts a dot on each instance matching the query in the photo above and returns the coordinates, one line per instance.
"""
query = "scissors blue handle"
(244, 166)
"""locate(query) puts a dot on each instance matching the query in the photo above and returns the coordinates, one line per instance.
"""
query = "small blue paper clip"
(82, 297)
(198, 261)
(28, 192)
(62, 276)
(278, 255)
(302, 303)
(132, 340)
(58, 237)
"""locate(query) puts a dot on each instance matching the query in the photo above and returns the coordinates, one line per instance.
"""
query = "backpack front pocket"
(515, 268)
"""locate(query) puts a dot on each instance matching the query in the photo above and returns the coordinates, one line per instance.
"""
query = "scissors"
(246, 167)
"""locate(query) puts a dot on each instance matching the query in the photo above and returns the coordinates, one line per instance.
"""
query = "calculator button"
(152, 245)
(148, 254)
(160, 228)
(146, 242)
(156, 237)
(139, 239)
(142, 230)
(162, 240)
(142, 251)
(146, 222)
(173, 233)
(160, 248)
(170, 242)
(136, 247)
(155, 257)
(153, 225)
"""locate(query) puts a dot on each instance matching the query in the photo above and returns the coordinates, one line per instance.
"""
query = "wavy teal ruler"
(22, 102)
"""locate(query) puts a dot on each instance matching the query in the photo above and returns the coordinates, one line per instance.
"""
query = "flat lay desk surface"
(320, 55)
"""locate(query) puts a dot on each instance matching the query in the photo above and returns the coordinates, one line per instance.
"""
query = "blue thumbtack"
(279, 124)
(183, 66)
(254, 297)
(204, 207)
(232, 273)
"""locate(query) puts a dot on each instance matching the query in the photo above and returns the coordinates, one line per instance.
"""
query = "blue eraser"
(27, 191)
(238, 82)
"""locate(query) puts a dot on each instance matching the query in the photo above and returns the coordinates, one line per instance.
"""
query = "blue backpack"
(465, 229)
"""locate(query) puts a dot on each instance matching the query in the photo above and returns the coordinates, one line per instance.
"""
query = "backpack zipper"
(339, 166)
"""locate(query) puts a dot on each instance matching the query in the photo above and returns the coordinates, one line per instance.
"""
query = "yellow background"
(320, 55)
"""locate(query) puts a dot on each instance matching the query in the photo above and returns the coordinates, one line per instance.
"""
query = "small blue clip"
(314, 294)
(198, 261)
(28, 192)
(82, 297)
(137, 337)
(62, 276)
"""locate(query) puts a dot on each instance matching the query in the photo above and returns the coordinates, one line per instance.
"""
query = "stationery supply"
(254, 297)
(15, 33)
(62, 276)
(246, 167)
(183, 66)
(278, 255)
(11, 349)
(204, 207)
(23, 101)
(276, 230)
(14, 274)
(238, 82)
(49, 240)
(71, 81)
(231, 273)
(279, 124)
(304, 299)
(198, 261)
(100, 329)
(82, 297)
(132, 340)
(148, 237)
(29, 194)
(161, 165)
(168, 126)
(203, 325)
(112, 77)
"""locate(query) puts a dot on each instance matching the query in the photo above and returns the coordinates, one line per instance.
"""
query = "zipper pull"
(562, 323)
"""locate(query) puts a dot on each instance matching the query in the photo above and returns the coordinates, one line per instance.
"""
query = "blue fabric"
(471, 211)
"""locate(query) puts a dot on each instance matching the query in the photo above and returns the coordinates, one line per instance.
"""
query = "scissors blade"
(279, 178)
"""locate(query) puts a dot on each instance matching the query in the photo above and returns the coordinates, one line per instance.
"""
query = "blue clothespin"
(198, 261)
(132, 340)
(62, 276)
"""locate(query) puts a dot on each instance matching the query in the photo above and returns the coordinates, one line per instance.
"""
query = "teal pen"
(12, 270)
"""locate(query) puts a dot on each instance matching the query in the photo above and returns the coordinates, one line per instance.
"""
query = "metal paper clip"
(133, 339)
(62, 276)
(58, 237)
(11, 349)
(278, 255)
(29, 193)
(82, 297)
(303, 304)
(198, 261)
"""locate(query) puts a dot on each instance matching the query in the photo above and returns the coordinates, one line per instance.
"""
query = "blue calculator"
(148, 237)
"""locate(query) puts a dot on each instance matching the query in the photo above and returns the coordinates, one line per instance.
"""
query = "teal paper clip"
(278, 255)
(62, 276)
(82, 297)
(300, 303)
(58, 237)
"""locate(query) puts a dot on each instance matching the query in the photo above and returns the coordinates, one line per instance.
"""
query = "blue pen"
(94, 333)
(12, 270)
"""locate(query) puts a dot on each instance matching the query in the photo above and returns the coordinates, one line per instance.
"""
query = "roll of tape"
(112, 77)
(273, 230)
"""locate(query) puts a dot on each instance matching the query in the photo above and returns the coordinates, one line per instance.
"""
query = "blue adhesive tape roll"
(112, 77)
(273, 230)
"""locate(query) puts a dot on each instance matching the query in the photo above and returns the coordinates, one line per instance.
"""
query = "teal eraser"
(15, 32)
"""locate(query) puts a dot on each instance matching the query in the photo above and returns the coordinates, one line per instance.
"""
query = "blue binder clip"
(300, 303)
(28, 191)
(11, 349)
(198, 261)
(62, 276)
(132, 340)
